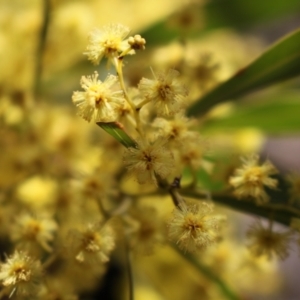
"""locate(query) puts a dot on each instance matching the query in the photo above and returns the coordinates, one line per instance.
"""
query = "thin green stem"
(283, 207)
(41, 48)
(103, 211)
(208, 273)
(51, 259)
(142, 103)
(125, 52)
(122, 207)
(281, 213)
(129, 270)
(119, 69)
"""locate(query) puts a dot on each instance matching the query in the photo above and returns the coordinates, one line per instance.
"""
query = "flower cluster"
(74, 197)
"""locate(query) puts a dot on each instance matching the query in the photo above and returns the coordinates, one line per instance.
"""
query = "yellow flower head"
(265, 242)
(109, 42)
(149, 160)
(251, 179)
(193, 227)
(92, 244)
(32, 232)
(165, 92)
(21, 273)
(98, 102)
(177, 129)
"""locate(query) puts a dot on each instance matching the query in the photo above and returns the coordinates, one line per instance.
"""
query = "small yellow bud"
(137, 42)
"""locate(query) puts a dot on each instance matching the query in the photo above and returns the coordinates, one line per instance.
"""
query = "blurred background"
(41, 51)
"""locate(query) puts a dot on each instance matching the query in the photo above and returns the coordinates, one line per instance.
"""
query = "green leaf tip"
(116, 130)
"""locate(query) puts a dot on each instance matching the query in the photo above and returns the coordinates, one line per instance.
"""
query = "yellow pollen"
(22, 274)
(164, 91)
(33, 229)
(192, 225)
(254, 175)
(90, 242)
(148, 158)
(110, 47)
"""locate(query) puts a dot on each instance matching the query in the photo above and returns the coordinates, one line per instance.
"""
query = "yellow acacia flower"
(193, 227)
(21, 274)
(177, 129)
(108, 42)
(31, 232)
(92, 244)
(98, 102)
(149, 160)
(265, 242)
(165, 92)
(251, 178)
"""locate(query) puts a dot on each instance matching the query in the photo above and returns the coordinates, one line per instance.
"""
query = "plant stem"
(103, 211)
(281, 213)
(119, 69)
(141, 104)
(41, 48)
(129, 270)
(208, 273)
(176, 197)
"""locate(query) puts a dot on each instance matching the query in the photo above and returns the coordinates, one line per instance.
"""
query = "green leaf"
(116, 130)
(279, 212)
(264, 116)
(278, 63)
(204, 179)
(243, 15)
(208, 182)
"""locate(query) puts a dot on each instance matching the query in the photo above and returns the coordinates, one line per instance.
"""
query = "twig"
(41, 48)
(129, 269)
(207, 272)
(176, 197)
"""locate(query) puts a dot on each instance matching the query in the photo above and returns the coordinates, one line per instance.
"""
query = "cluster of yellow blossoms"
(159, 157)
(161, 102)
(100, 208)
